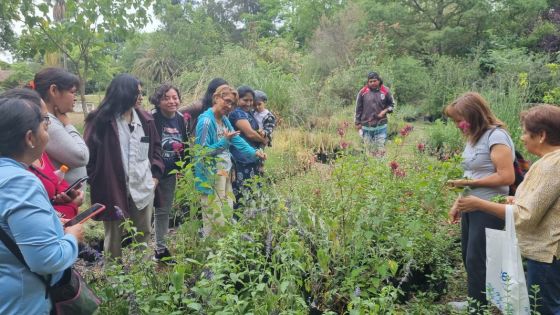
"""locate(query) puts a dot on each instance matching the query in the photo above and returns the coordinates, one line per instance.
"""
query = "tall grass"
(507, 100)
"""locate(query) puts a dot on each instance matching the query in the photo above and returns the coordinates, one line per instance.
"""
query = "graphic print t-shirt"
(171, 143)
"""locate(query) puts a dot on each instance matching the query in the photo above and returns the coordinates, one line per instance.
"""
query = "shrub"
(449, 77)
(411, 80)
(444, 140)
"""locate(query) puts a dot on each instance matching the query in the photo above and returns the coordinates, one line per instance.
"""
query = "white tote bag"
(505, 279)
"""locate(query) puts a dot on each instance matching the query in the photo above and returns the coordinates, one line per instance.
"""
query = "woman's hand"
(510, 200)
(230, 134)
(260, 154)
(61, 198)
(76, 230)
(454, 214)
(459, 182)
(79, 199)
(468, 204)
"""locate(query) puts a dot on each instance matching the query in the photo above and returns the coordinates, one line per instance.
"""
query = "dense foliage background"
(309, 55)
(352, 234)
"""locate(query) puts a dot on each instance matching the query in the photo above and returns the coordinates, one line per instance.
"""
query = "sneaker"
(164, 256)
(459, 306)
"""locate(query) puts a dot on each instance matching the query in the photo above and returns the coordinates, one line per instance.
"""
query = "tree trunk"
(83, 93)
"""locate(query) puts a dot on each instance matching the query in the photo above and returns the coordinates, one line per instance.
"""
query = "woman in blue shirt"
(26, 214)
(243, 120)
(215, 132)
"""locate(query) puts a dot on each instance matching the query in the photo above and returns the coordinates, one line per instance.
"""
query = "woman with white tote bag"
(535, 207)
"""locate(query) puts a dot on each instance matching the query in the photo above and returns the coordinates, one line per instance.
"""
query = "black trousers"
(473, 246)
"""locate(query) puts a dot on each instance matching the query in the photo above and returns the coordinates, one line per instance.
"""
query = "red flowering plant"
(342, 131)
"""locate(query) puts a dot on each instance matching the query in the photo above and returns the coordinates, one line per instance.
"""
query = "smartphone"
(76, 184)
(84, 216)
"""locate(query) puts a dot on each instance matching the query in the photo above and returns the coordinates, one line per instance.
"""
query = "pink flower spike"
(344, 144)
(341, 132)
(421, 147)
(394, 165)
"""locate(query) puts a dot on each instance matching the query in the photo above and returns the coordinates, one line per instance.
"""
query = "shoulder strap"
(12, 246)
(508, 139)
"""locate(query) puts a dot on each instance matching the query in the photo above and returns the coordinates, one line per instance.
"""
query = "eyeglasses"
(46, 119)
(228, 101)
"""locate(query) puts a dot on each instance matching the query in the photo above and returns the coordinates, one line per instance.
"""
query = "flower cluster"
(342, 133)
(421, 147)
(405, 131)
(395, 168)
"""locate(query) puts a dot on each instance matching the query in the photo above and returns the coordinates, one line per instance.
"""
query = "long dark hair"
(121, 95)
(244, 90)
(212, 86)
(23, 94)
(63, 80)
(160, 92)
(20, 111)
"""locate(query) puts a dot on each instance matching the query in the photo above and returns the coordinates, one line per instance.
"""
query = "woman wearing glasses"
(66, 204)
(27, 217)
(213, 168)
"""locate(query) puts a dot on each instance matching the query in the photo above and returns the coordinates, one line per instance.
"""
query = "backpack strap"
(508, 139)
(12, 246)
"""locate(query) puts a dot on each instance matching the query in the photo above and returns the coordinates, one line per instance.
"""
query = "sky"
(6, 56)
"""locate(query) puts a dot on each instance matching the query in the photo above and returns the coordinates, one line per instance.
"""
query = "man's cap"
(373, 75)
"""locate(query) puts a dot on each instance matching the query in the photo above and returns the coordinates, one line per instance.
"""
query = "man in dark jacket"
(373, 103)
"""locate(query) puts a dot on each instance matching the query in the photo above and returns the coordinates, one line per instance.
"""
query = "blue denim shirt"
(27, 216)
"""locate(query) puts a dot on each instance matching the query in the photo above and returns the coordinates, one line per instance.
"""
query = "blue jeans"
(375, 137)
(547, 277)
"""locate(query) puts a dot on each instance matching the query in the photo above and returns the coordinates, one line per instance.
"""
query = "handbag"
(505, 279)
(70, 295)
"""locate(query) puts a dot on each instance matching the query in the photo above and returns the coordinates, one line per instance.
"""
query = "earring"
(32, 146)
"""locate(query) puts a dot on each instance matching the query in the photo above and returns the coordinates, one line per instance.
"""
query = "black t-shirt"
(172, 140)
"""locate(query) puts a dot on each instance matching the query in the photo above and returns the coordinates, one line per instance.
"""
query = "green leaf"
(284, 286)
(195, 306)
(44, 8)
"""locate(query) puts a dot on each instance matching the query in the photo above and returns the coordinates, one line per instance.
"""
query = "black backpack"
(520, 167)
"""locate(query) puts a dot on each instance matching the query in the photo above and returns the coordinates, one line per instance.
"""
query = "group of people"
(130, 158)
(488, 162)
